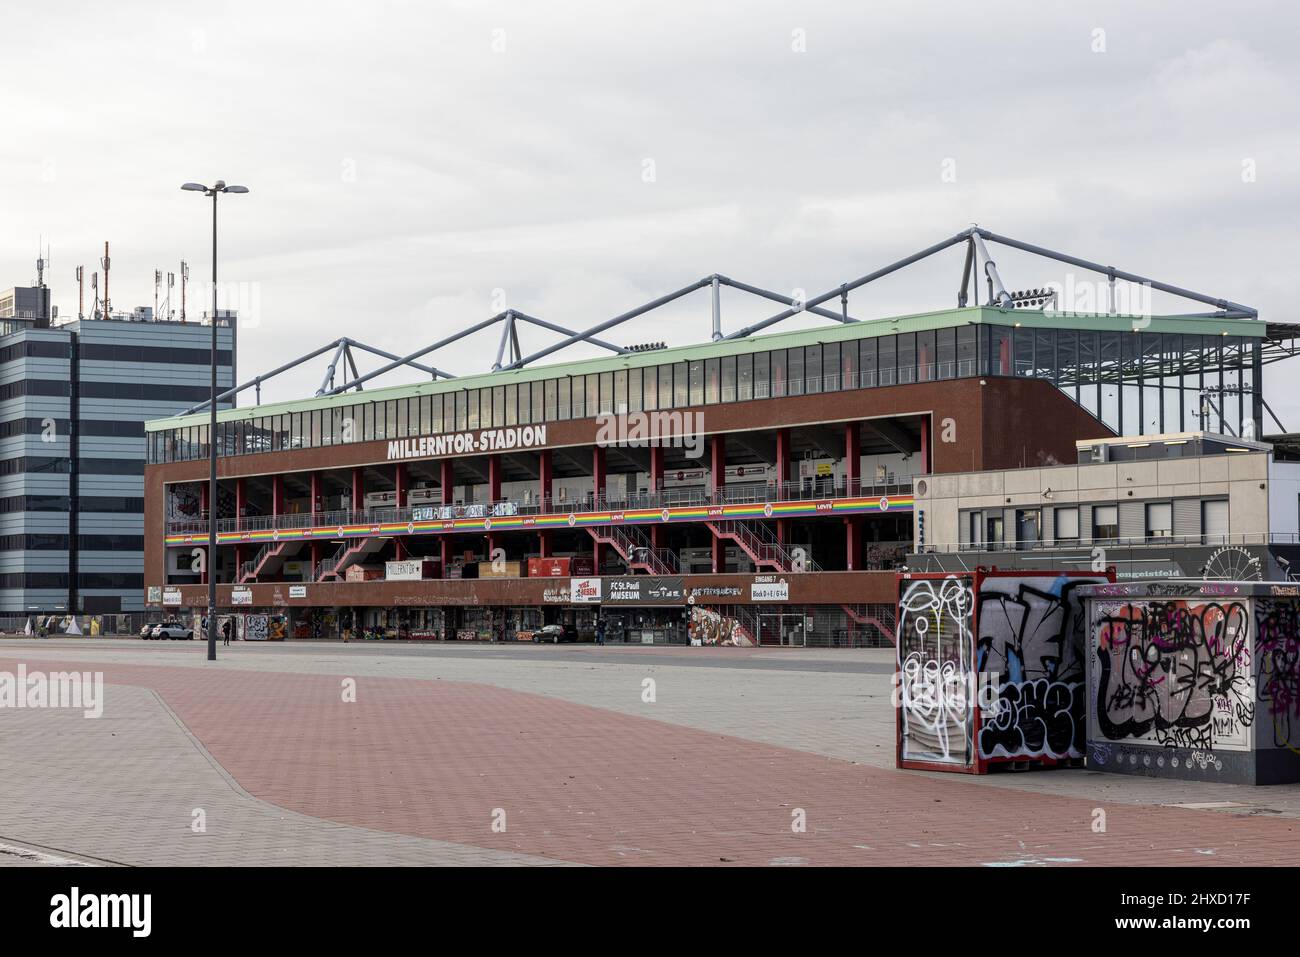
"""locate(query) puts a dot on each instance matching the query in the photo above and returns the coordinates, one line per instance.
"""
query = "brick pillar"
(317, 494)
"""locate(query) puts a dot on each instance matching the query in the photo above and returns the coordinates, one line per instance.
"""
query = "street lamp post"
(211, 563)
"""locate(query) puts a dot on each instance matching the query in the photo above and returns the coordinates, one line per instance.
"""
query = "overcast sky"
(415, 166)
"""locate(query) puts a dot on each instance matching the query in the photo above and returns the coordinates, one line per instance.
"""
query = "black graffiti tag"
(1162, 663)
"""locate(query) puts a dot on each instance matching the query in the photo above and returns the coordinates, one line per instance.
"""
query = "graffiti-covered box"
(1195, 680)
(990, 669)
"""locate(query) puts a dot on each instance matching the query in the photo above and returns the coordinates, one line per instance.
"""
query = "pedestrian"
(225, 632)
(600, 631)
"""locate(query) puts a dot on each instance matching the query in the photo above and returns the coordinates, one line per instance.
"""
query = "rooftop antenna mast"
(94, 292)
(81, 292)
(185, 278)
(43, 306)
(171, 281)
(106, 262)
(157, 282)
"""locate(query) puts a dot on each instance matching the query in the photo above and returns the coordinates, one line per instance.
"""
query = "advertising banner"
(584, 591)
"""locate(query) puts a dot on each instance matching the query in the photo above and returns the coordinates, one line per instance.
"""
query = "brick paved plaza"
(442, 742)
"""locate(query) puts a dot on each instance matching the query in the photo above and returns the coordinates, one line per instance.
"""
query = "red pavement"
(435, 758)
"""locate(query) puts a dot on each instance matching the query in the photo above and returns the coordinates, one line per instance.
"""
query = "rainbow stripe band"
(885, 504)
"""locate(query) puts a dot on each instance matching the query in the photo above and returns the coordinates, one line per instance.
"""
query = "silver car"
(173, 629)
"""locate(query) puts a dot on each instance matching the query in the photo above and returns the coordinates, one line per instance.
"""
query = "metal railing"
(757, 541)
(327, 566)
(637, 548)
(1163, 541)
(757, 493)
(1251, 555)
(249, 568)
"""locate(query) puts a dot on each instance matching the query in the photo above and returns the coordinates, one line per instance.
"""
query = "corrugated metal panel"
(1214, 521)
(1132, 520)
(1187, 517)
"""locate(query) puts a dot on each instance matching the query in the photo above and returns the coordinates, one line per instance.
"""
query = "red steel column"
(447, 479)
(316, 503)
(493, 496)
(783, 462)
(400, 482)
(494, 478)
(203, 514)
(718, 481)
(656, 479)
(545, 477)
(598, 488)
(853, 542)
(853, 486)
(925, 445)
(852, 457)
(241, 505)
(358, 489)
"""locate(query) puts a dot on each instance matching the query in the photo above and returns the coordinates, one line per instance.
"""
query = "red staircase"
(269, 559)
(635, 548)
(758, 542)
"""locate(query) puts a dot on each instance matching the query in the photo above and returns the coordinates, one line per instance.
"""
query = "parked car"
(173, 629)
(556, 634)
(147, 631)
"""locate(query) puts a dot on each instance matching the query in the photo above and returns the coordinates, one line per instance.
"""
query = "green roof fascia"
(1091, 322)
(919, 322)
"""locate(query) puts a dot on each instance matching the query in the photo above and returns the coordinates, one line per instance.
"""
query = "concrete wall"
(1238, 477)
